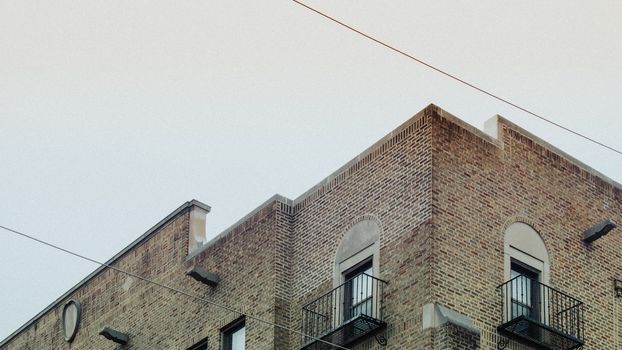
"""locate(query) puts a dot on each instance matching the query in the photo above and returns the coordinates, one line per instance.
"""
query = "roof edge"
(275, 198)
(181, 209)
(493, 134)
(482, 134)
(500, 120)
(431, 108)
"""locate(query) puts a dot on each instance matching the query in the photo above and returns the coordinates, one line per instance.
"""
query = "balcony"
(538, 315)
(346, 314)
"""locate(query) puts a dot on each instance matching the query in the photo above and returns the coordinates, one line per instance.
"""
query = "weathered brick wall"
(125, 303)
(442, 194)
(452, 337)
(390, 183)
(245, 260)
(283, 277)
(480, 187)
(156, 318)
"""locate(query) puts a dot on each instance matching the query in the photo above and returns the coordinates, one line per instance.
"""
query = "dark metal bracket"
(505, 341)
(380, 337)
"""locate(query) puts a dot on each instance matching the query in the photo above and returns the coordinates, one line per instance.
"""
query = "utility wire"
(172, 289)
(460, 80)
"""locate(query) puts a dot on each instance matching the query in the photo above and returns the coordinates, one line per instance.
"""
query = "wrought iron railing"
(344, 314)
(538, 314)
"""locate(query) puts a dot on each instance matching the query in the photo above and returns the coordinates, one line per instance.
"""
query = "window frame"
(532, 302)
(360, 242)
(348, 276)
(524, 244)
(227, 332)
(359, 267)
(200, 345)
(369, 253)
(525, 249)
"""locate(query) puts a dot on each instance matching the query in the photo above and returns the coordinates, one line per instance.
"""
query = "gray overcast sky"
(113, 113)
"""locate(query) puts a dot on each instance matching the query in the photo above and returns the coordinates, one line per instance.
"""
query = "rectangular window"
(526, 298)
(202, 345)
(359, 290)
(525, 291)
(234, 335)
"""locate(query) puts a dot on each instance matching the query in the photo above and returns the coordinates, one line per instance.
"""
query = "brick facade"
(441, 194)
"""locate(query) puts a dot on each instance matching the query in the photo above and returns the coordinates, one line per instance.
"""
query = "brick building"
(438, 236)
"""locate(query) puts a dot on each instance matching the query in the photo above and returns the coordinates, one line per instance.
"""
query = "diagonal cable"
(456, 78)
(172, 289)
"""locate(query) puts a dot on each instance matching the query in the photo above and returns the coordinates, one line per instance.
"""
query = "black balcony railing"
(539, 315)
(344, 315)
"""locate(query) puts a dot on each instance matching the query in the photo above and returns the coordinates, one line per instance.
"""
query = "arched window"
(357, 269)
(353, 309)
(524, 249)
(359, 249)
(527, 272)
(533, 311)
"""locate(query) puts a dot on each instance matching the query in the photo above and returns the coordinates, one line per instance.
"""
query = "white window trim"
(512, 253)
(372, 251)
(524, 243)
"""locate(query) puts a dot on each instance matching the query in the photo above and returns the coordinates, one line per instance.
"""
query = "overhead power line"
(172, 289)
(456, 78)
